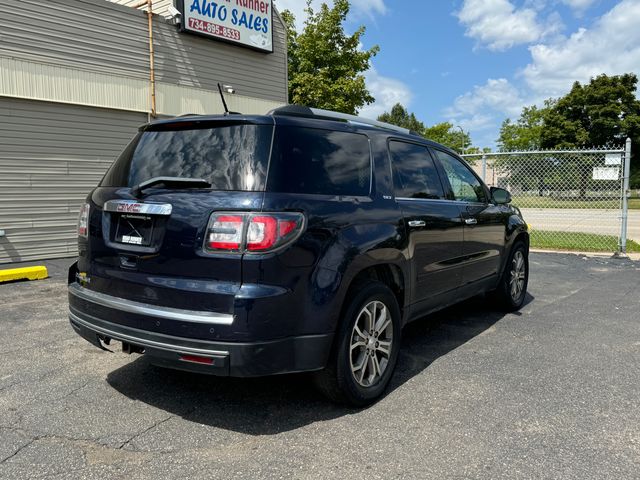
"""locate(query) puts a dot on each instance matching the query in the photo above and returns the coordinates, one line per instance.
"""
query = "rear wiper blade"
(170, 182)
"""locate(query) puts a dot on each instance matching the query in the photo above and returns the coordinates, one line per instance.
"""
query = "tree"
(526, 132)
(603, 112)
(449, 135)
(402, 118)
(326, 66)
(444, 133)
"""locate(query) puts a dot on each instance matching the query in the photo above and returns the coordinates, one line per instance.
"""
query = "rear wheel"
(512, 290)
(366, 348)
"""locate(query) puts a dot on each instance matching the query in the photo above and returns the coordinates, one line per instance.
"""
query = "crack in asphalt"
(35, 437)
(139, 434)
(18, 451)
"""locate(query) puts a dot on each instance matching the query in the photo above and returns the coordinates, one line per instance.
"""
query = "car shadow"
(271, 405)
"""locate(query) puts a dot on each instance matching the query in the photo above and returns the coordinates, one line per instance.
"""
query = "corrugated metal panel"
(104, 37)
(161, 7)
(51, 155)
(95, 52)
(200, 62)
(39, 81)
(175, 100)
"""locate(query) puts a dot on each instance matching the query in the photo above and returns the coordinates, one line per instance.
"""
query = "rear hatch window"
(230, 157)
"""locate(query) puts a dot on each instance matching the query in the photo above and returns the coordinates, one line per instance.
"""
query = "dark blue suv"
(300, 240)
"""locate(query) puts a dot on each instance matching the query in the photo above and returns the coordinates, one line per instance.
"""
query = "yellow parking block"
(25, 273)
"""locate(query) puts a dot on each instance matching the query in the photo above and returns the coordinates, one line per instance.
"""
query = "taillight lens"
(252, 233)
(83, 221)
(225, 232)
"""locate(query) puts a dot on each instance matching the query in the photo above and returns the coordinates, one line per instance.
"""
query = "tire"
(358, 376)
(512, 289)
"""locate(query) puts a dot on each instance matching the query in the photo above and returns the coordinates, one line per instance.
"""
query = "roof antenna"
(224, 103)
(229, 89)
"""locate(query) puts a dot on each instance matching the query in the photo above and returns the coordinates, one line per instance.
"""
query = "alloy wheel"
(371, 343)
(518, 276)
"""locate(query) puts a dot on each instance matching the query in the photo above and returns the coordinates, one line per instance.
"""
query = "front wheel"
(366, 347)
(512, 290)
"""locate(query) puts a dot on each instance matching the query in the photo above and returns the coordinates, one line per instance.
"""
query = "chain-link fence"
(572, 200)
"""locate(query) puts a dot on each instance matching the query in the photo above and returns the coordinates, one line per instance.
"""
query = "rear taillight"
(225, 232)
(252, 232)
(83, 221)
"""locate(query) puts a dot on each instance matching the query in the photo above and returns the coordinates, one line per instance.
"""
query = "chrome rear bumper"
(148, 309)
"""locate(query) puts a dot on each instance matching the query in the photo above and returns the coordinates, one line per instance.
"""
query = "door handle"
(417, 223)
(470, 221)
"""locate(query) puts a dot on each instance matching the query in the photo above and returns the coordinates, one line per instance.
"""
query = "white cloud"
(611, 46)
(579, 5)
(498, 25)
(482, 110)
(494, 96)
(387, 92)
(367, 8)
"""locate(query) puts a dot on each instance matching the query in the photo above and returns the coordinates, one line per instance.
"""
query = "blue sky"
(477, 62)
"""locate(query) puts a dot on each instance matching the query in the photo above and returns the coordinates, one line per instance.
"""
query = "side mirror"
(500, 196)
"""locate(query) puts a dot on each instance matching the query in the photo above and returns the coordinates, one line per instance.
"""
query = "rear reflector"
(197, 359)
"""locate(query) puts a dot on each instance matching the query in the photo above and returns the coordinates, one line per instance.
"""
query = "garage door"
(51, 155)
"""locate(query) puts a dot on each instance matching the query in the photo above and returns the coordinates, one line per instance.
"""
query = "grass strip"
(578, 241)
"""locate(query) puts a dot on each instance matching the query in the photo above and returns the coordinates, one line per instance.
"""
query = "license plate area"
(134, 229)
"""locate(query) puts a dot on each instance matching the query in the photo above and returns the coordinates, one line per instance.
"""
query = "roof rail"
(302, 111)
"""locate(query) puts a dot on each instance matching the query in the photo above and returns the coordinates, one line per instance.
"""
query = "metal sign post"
(625, 197)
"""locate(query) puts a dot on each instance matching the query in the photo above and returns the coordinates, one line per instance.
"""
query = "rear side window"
(309, 160)
(230, 157)
(414, 172)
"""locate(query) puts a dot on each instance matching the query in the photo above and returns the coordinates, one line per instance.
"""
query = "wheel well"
(389, 274)
(522, 237)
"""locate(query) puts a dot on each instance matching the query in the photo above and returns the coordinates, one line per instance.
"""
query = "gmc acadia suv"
(300, 240)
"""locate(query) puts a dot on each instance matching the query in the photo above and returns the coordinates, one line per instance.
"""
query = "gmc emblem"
(129, 207)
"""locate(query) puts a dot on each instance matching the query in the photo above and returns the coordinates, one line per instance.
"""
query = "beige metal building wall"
(73, 90)
(104, 37)
(161, 7)
(51, 155)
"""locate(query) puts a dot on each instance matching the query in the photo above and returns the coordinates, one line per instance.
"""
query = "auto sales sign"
(245, 22)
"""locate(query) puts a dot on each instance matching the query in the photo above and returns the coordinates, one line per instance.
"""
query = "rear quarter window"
(314, 161)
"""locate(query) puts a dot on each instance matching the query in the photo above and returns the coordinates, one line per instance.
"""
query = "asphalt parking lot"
(550, 392)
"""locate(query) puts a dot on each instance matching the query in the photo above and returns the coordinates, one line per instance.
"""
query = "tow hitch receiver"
(129, 349)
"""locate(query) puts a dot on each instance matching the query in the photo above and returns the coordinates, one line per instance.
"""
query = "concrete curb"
(631, 256)
(38, 272)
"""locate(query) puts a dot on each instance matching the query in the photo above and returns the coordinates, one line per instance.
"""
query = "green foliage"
(603, 112)
(326, 66)
(402, 118)
(444, 133)
(526, 132)
(450, 136)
